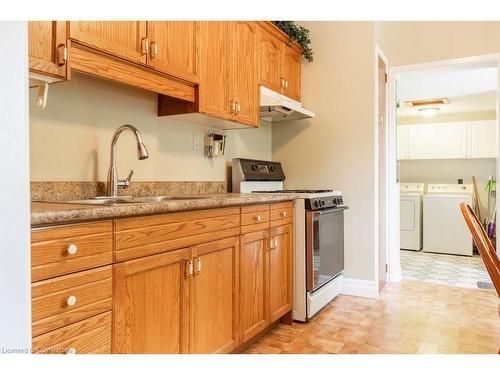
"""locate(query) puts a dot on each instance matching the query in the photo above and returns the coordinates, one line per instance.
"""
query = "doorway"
(442, 134)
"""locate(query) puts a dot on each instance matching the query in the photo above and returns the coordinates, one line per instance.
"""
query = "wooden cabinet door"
(173, 48)
(151, 304)
(253, 259)
(216, 87)
(280, 272)
(291, 64)
(270, 61)
(45, 41)
(124, 39)
(214, 297)
(245, 72)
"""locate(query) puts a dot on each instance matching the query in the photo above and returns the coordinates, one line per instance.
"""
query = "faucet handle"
(125, 183)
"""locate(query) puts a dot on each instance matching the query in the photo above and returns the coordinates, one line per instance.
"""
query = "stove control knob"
(255, 167)
(316, 203)
(272, 168)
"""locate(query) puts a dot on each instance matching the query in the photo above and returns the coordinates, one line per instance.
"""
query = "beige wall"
(416, 42)
(70, 138)
(336, 149)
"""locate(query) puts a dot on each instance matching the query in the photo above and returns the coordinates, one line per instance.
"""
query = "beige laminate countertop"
(50, 213)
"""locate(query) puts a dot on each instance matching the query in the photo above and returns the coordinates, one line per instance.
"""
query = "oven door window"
(325, 246)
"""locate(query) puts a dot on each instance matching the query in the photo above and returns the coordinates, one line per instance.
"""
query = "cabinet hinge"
(385, 78)
(62, 54)
(386, 268)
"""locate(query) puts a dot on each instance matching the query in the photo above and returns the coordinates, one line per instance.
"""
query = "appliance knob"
(272, 168)
(316, 203)
(255, 167)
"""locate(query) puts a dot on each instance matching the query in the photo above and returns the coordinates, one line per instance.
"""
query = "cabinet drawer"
(61, 250)
(137, 237)
(281, 213)
(254, 218)
(92, 335)
(67, 299)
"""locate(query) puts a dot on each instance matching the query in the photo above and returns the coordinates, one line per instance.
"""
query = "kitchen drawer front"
(138, 237)
(281, 213)
(255, 221)
(67, 299)
(92, 335)
(61, 250)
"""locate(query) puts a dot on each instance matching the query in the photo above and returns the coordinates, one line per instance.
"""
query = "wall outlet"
(197, 142)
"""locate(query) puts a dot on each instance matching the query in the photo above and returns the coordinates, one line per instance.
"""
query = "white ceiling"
(447, 85)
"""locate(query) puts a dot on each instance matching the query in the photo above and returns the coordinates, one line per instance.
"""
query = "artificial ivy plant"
(298, 34)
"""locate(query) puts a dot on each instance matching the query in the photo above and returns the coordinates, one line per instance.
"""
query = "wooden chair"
(484, 246)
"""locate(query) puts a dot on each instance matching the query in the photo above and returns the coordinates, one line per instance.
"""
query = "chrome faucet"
(142, 153)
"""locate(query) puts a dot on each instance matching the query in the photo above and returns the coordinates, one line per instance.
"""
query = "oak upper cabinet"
(47, 48)
(291, 71)
(173, 48)
(214, 297)
(229, 71)
(125, 39)
(245, 72)
(215, 73)
(280, 62)
(280, 271)
(151, 300)
(270, 61)
(254, 283)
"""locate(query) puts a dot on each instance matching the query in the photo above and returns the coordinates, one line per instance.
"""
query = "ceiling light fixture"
(428, 112)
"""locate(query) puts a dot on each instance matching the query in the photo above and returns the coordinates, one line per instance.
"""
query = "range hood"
(276, 107)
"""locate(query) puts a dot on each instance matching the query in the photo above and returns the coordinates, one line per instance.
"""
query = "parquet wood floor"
(408, 317)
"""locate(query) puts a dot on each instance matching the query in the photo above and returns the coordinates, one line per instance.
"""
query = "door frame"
(392, 219)
(382, 225)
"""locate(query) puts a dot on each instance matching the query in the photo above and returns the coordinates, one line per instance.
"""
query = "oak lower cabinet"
(181, 301)
(213, 309)
(254, 283)
(151, 304)
(280, 271)
(265, 267)
(47, 48)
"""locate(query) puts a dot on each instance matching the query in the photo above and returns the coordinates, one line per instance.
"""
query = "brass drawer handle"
(283, 214)
(258, 218)
(71, 351)
(154, 49)
(72, 249)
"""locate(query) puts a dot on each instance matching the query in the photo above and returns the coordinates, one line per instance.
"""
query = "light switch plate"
(197, 142)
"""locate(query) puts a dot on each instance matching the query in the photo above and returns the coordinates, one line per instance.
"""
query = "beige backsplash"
(69, 190)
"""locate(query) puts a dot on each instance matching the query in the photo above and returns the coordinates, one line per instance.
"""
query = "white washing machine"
(410, 216)
(444, 228)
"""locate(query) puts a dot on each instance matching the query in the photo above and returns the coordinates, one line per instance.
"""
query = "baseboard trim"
(360, 288)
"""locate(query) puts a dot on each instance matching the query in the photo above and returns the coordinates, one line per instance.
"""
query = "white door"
(482, 139)
(402, 142)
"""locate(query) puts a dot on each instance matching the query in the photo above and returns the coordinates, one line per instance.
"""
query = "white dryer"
(445, 230)
(410, 216)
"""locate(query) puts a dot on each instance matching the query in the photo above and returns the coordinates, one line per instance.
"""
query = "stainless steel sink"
(163, 198)
(105, 201)
(108, 201)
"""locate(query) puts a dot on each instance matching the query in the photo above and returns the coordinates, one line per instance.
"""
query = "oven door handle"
(310, 216)
(330, 210)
